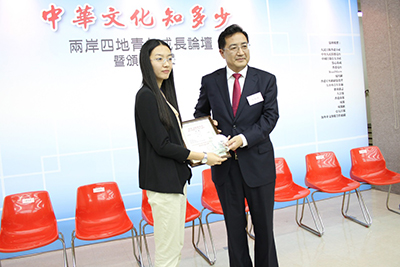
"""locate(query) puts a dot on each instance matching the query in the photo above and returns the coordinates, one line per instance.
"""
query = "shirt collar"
(230, 72)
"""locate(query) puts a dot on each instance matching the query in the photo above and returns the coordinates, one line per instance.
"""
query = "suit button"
(234, 126)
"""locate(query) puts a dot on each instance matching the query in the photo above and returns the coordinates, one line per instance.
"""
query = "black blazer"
(162, 155)
(255, 122)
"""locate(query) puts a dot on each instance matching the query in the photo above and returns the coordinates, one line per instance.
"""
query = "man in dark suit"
(250, 172)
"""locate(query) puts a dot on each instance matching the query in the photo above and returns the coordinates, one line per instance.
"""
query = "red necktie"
(236, 93)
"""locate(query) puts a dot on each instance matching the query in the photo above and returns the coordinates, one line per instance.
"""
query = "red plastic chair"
(28, 222)
(147, 216)
(324, 174)
(287, 190)
(210, 201)
(100, 213)
(369, 166)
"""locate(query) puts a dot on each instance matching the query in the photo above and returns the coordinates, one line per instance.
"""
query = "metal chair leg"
(143, 235)
(363, 207)
(61, 238)
(211, 259)
(73, 248)
(387, 201)
(138, 256)
(249, 227)
(319, 226)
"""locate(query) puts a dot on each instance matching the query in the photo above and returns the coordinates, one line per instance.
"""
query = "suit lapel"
(223, 89)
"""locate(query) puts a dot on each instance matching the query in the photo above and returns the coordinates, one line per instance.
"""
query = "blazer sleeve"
(147, 113)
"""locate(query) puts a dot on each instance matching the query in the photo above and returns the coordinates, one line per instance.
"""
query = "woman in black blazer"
(163, 158)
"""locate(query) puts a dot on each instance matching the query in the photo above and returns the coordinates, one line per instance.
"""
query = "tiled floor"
(344, 243)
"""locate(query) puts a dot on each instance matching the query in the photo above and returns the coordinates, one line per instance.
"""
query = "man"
(250, 172)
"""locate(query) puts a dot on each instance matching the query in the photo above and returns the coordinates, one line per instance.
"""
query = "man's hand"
(234, 142)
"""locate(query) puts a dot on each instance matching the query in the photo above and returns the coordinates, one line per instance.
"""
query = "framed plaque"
(201, 135)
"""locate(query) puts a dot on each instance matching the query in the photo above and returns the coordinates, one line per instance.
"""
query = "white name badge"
(255, 98)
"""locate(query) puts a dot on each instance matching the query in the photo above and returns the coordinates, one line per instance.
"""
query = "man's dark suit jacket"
(255, 122)
(162, 155)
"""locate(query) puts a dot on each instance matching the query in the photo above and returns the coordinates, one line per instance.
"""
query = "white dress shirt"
(231, 81)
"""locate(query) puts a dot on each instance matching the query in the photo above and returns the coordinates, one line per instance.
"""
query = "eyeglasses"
(162, 61)
(234, 48)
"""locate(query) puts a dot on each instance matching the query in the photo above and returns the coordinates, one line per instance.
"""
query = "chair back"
(147, 215)
(366, 160)
(283, 174)
(27, 222)
(100, 212)
(322, 167)
(209, 191)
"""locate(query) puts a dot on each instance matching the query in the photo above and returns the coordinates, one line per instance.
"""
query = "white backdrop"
(68, 89)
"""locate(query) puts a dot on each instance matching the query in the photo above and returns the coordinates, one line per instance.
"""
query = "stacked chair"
(100, 213)
(147, 219)
(210, 201)
(28, 222)
(369, 167)
(324, 174)
(287, 190)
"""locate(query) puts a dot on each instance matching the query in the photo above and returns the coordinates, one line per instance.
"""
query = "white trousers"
(169, 212)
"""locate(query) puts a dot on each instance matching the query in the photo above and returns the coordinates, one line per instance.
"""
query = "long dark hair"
(149, 80)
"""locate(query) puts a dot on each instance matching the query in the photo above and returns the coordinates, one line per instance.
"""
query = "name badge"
(255, 98)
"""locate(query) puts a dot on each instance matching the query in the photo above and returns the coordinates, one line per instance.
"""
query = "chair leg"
(73, 248)
(138, 256)
(142, 234)
(319, 226)
(249, 227)
(206, 255)
(387, 202)
(367, 217)
(61, 238)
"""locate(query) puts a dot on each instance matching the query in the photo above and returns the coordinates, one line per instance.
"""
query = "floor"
(344, 242)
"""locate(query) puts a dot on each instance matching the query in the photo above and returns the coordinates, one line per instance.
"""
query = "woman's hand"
(214, 159)
(216, 125)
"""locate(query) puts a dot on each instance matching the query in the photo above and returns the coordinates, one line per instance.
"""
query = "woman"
(163, 158)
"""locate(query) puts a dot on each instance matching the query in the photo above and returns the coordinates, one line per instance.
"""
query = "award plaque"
(201, 135)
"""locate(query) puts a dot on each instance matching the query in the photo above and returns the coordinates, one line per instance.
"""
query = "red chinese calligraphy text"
(198, 17)
(85, 17)
(53, 16)
(223, 16)
(172, 18)
(143, 19)
(112, 16)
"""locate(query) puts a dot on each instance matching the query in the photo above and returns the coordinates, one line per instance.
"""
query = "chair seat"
(339, 184)
(213, 205)
(383, 177)
(89, 230)
(290, 192)
(191, 213)
(28, 239)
